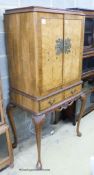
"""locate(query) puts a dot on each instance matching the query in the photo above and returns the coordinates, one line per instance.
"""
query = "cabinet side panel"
(20, 49)
(73, 37)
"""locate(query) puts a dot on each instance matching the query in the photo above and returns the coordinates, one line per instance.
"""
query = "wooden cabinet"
(44, 48)
(88, 60)
(88, 47)
(88, 53)
(44, 52)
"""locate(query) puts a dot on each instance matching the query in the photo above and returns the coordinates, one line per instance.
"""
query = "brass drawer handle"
(73, 91)
(51, 102)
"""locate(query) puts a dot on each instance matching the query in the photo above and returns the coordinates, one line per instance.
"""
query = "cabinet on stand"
(45, 62)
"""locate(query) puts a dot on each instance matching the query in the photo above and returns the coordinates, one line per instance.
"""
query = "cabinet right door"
(73, 49)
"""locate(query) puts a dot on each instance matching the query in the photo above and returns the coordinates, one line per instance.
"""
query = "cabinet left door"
(50, 28)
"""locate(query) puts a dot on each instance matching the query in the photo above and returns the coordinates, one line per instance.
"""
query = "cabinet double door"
(60, 50)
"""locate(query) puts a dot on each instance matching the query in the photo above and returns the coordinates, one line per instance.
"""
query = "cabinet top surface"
(82, 10)
(42, 9)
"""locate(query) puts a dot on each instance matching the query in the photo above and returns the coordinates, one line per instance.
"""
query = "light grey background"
(22, 118)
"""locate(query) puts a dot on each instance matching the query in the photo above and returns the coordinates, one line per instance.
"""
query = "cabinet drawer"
(47, 103)
(73, 91)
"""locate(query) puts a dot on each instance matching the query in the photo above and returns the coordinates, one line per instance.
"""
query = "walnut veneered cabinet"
(44, 49)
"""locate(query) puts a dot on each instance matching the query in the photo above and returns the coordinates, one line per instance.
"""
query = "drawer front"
(24, 102)
(73, 91)
(47, 103)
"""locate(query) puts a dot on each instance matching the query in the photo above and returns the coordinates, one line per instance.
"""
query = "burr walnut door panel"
(73, 42)
(51, 31)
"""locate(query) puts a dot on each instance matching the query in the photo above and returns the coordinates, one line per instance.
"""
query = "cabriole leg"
(12, 123)
(38, 122)
(83, 103)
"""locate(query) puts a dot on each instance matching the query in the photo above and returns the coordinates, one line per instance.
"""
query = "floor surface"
(63, 153)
